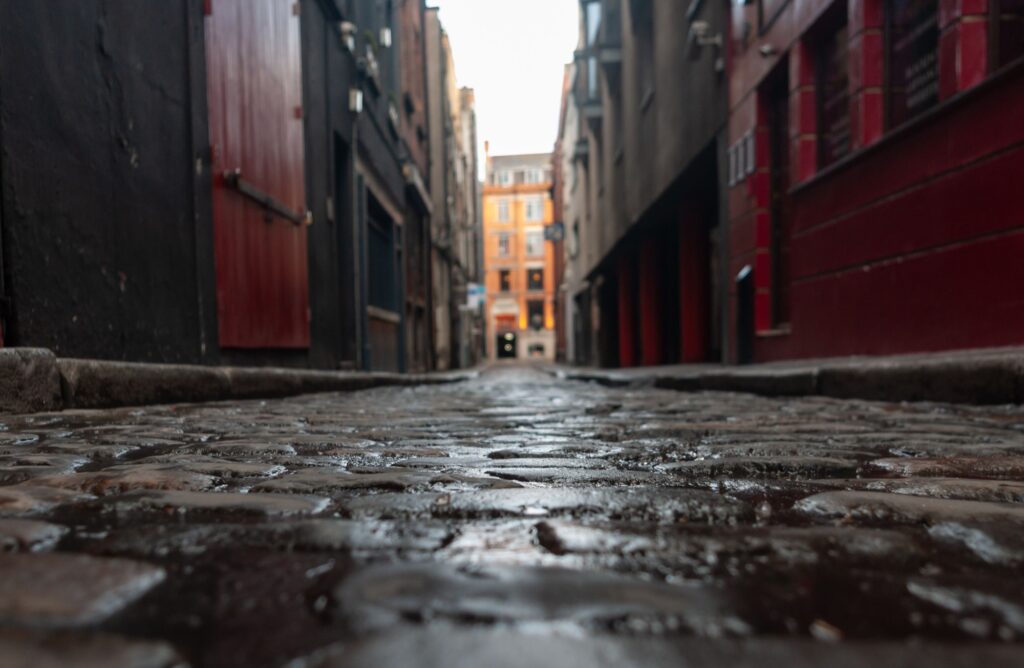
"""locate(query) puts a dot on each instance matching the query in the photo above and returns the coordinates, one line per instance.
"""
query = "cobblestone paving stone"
(514, 520)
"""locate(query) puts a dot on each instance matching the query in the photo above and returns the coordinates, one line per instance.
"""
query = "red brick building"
(874, 172)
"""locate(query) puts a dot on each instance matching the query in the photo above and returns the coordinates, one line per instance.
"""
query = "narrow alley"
(514, 519)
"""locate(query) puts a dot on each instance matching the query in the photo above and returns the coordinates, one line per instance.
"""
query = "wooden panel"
(255, 99)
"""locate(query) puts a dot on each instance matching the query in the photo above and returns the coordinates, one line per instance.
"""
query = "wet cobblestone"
(514, 520)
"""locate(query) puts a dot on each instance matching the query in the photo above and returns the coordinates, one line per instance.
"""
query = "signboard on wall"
(554, 232)
(913, 58)
(475, 296)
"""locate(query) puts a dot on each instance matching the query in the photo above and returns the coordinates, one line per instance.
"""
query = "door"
(259, 211)
(507, 345)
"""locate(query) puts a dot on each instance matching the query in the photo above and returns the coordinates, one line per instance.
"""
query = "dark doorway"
(343, 214)
(506, 345)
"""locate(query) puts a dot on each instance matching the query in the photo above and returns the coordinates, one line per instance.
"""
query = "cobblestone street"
(515, 519)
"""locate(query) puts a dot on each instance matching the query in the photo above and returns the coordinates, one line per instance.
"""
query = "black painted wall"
(106, 222)
(107, 231)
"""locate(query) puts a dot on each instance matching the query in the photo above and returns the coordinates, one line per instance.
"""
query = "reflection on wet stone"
(515, 519)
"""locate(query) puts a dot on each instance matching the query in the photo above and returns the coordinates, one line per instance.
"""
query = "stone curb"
(29, 380)
(974, 377)
(35, 380)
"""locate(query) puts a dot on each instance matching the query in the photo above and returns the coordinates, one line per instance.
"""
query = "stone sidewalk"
(987, 376)
(514, 520)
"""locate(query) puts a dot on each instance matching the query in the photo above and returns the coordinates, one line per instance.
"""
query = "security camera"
(699, 38)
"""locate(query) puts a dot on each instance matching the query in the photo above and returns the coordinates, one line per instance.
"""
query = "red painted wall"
(694, 304)
(255, 98)
(651, 339)
(916, 243)
(627, 309)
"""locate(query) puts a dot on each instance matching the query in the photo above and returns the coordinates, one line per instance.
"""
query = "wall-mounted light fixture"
(355, 100)
(347, 30)
(700, 37)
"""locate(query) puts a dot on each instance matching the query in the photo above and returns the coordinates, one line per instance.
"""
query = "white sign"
(475, 295)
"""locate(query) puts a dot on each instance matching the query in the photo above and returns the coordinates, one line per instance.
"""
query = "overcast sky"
(513, 53)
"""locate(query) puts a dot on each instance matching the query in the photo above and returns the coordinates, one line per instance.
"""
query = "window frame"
(833, 26)
(504, 244)
(530, 305)
(538, 203)
(996, 62)
(532, 236)
(888, 11)
(534, 286)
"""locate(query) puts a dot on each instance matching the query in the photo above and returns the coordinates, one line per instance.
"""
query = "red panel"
(969, 203)
(627, 310)
(650, 307)
(965, 296)
(694, 304)
(255, 92)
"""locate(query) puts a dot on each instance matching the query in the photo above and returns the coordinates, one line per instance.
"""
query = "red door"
(259, 200)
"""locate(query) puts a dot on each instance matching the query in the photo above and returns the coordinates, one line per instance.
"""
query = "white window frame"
(535, 210)
(533, 236)
(504, 210)
(504, 245)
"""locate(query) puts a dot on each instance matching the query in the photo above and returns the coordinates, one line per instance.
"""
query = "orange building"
(518, 260)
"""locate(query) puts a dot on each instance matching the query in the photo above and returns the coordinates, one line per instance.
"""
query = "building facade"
(570, 207)
(875, 150)
(161, 221)
(519, 261)
(776, 179)
(643, 140)
(457, 224)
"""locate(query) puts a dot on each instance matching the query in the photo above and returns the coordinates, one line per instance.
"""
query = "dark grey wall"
(319, 37)
(104, 215)
(645, 149)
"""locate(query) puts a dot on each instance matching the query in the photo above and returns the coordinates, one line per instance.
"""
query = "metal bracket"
(233, 179)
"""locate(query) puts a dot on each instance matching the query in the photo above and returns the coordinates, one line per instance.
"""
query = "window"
(534, 279)
(503, 177)
(532, 176)
(504, 213)
(593, 21)
(504, 245)
(535, 209)
(535, 314)
(1009, 33)
(913, 64)
(833, 94)
(383, 282)
(535, 243)
(505, 280)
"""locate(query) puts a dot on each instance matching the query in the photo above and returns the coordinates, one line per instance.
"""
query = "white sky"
(512, 52)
